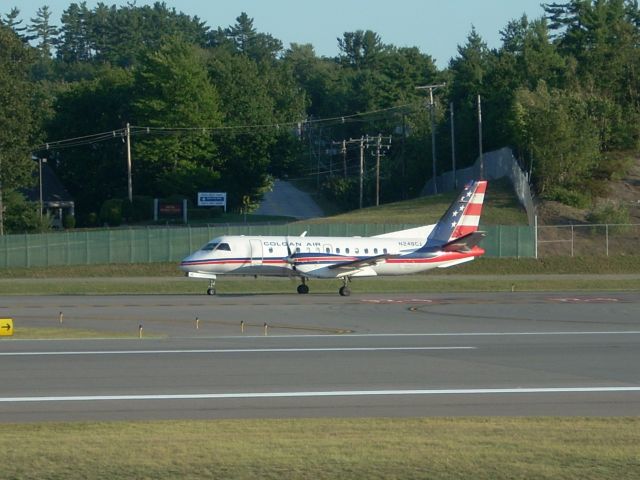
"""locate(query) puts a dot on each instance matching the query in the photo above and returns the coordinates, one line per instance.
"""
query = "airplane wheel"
(302, 289)
(211, 291)
(344, 292)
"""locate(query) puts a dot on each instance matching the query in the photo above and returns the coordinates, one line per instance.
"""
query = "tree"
(555, 128)
(95, 172)
(11, 21)
(19, 128)
(245, 100)
(42, 30)
(468, 71)
(74, 42)
(174, 92)
(360, 48)
(602, 36)
(243, 38)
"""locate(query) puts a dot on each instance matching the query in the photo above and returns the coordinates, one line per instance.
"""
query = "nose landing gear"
(212, 287)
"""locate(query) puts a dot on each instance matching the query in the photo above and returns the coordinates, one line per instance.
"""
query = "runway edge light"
(6, 327)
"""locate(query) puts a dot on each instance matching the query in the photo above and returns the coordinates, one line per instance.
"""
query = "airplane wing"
(362, 262)
(464, 243)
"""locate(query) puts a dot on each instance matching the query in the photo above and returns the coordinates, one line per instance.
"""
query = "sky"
(435, 27)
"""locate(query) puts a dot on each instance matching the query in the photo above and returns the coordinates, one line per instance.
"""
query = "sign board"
(170, 209)
(212, 199)
(6, 327)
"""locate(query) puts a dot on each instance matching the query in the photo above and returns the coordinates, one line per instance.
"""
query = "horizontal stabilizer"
(464, 243)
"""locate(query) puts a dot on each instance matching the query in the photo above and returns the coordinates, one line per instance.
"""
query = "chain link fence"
(584, 240)
(171, 244)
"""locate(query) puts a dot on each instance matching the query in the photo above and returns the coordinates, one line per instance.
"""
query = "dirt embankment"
(625, 191)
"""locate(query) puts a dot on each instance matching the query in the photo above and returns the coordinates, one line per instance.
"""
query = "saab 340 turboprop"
(451, 241)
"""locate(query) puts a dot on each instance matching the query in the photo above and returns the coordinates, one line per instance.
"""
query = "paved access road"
(324, 355)
(286, 200)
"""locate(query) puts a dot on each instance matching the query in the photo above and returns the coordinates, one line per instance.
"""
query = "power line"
(160, 131)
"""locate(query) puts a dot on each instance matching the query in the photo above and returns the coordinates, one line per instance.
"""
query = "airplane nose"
(185, 263)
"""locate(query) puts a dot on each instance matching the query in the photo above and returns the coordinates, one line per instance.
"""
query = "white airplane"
(451, 241)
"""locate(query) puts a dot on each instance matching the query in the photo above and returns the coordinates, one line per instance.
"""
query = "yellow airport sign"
(6, 327)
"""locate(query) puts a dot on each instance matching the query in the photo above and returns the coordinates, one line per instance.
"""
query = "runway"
(323, 355)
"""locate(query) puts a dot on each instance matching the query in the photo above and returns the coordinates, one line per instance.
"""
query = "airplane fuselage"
(451, 241)
(269, 256)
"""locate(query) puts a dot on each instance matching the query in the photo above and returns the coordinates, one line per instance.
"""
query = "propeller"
(290, 260)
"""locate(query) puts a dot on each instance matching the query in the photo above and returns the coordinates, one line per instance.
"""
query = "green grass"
(404, 284)
(405, 448)
(619, 264)
(484, 274)
(66, 333)
(501, 207)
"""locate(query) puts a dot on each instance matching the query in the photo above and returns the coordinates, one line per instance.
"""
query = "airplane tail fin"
(458, 224)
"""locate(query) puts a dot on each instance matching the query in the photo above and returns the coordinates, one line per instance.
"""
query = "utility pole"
(433, 129)
(453, 147)
(362, 147)
(480, 137)
(379, 147)
(344, 158)
(363, 142)
(129, 181)
(40, 162)
(343, 151)
(404, 163)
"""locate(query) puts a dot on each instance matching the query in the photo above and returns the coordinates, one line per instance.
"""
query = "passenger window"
(337, 250)
(375, 250)
(357, 250)
(346, 250)
(297, 249)
(366, 250)
(270, 249)
(384, 250)
(328, 250)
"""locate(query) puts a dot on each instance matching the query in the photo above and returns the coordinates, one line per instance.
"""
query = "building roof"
(53, 192)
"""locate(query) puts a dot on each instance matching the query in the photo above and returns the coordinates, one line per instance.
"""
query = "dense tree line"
(229, 108)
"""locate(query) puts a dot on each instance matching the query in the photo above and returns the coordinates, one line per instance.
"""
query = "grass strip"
(249, 286)
(66, 333)
(619, 264)
(407, 448)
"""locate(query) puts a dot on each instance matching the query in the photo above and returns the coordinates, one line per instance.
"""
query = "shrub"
(111, 212)
(69, 221)
(572, 197)
(91, 220)
(609, 212)
(139, 209)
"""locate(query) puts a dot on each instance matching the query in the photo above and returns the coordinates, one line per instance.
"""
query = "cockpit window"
(209, 247)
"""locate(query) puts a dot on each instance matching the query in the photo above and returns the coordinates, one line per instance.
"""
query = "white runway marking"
(445, 334)
(346, 393)
(230, 350)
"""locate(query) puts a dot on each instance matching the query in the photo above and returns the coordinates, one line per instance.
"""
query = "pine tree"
(42, 30)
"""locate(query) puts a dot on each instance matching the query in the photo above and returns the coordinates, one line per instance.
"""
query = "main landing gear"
(345, 291)
(303, 288)
(212, 287)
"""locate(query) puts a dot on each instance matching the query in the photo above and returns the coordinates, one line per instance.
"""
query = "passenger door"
(256, 252)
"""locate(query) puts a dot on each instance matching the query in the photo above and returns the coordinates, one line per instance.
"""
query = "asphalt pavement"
(286, 200)
(324, 355)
